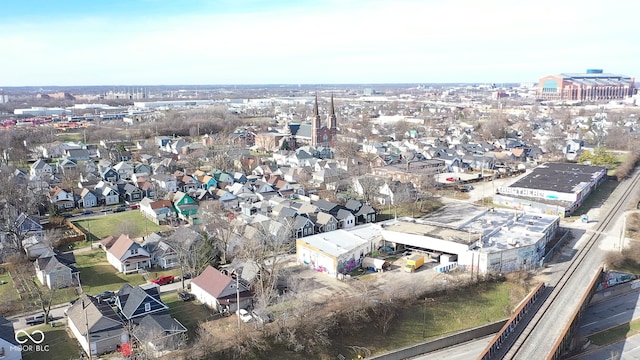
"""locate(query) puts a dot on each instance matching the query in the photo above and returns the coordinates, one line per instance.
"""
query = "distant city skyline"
(225, 42)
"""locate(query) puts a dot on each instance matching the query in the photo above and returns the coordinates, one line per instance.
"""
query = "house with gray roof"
(10, 349)
(160, 332)
(40, 168)
(98, 322)
(137, 301)
(57, 271)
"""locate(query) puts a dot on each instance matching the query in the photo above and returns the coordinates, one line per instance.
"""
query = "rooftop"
(560, 177)
(334, 243)
(490, 229)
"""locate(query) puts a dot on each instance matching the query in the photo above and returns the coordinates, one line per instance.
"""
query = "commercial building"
(593, 85)
(552, 188)
(483, 239)
(338, 252)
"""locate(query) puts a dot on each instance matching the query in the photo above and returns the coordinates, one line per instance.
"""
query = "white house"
(57, 271)
(100, 321)
(128, 256)
(157, 211)
(35, 247)
(165, 182)
(124, 169)
(40, 168)
(10, 349)
(62, 199)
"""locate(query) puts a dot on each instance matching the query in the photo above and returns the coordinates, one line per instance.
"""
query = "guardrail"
(564, 343)
(523, 308)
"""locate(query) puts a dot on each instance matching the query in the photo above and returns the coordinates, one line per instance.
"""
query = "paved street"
(618, 310)
(627, 350)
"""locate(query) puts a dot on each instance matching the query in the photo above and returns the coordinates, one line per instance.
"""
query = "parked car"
(107, 296)
(87, 212)
(163, 279)
(185, 296)
(120, 208)
(37, 319)
(262, 316)
(244, 315)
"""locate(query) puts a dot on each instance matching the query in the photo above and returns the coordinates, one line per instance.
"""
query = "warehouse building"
(340, 251)
(552, 188)
(483, 239)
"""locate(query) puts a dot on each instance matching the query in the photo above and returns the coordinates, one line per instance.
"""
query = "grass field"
(459, 310)
(97, 275)
(189, 313)
(616, 334)
(106, 225)
(61, 346)
(7, 291)
(462, 309)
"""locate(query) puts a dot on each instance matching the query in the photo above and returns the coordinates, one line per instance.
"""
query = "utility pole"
(86, 323)
(238, 298)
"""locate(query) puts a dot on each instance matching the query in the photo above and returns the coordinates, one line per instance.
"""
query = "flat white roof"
(334, 243)
(490, 229)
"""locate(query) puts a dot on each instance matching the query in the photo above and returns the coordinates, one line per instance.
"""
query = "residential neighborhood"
(153, 243)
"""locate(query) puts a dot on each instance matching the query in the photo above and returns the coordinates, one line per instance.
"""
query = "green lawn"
(7, 291)
(189, 313)
(61, 346)
(616, 334)
(97, 275)
(461, 309)
(106, 225)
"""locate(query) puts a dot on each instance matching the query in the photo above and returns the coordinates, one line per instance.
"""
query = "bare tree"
(494, 128)
(194, 254)
(156, 341)
(219, 223)
(267, 249)
(368, 188)
(44, 296)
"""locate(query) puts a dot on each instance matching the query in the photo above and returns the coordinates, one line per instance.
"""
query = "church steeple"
(332, 115)
(316, 114)
(315, 125)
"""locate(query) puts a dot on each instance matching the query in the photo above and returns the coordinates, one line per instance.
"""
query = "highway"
(628, 349)
(549, 324)
(609, 313)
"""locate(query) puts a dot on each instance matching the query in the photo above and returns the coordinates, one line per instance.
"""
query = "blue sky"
(153, 42)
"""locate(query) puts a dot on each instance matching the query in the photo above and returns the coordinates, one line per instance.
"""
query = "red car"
(163, 280)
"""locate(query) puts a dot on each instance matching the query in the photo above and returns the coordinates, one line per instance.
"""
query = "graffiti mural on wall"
(612, 278)
(312, 262)
(349, 265)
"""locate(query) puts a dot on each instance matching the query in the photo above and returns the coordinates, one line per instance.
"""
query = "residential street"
(57, 311)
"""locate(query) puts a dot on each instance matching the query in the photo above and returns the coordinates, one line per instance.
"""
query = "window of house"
(134, 251)
(147, 307)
